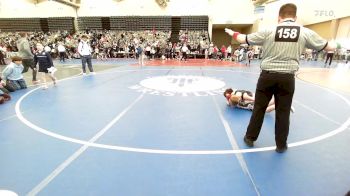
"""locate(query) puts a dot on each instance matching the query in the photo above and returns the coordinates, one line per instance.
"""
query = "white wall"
(231, 11)
(142, 7)
(219, 11)
(309, 11)
(344, 28)
(343, 34)
(26, 8)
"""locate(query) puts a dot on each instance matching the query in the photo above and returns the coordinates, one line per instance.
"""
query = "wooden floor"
(337, 78)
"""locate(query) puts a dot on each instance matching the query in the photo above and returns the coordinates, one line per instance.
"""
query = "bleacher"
(195, 22)
(20, 24)
(90, 23)
(36, 24)
(61, 23)
(125, 23)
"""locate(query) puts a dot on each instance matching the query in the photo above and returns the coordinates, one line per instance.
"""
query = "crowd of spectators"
(105, 44)
(114, 44)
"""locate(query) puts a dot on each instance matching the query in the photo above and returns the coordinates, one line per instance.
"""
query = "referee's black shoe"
(248, 141)
(281, 149)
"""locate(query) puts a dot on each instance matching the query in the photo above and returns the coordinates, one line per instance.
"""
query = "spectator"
(2, 87)
(62, 52)
(2, 56)
(12, 74)
(85, 50)
(26, 55)
(4, 97)
(329, 57)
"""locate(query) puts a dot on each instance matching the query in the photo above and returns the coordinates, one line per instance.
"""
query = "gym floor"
(165, 129)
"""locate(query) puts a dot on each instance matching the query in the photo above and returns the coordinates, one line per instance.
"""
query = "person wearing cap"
(27, 56)
(85, 50)
(282, 46)
(12, 75)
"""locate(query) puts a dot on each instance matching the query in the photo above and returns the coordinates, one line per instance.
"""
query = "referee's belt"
(275, 72)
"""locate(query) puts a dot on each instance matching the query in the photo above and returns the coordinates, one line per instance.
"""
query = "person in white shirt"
(62, 51)
(85, 50)
(47, 49)
(229, 51)
(184, 51)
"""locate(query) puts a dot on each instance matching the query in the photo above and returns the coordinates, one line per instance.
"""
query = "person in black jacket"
(45, 64)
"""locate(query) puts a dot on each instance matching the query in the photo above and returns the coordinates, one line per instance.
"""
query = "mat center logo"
(183, 85)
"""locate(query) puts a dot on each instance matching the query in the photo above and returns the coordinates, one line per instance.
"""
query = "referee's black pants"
(281, 86)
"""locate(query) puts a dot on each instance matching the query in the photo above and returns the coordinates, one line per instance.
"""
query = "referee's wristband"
(235, 35)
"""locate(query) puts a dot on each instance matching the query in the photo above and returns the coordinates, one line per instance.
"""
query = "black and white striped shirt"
(284, 44)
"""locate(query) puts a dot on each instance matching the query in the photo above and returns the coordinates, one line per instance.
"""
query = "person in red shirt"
(223, 52)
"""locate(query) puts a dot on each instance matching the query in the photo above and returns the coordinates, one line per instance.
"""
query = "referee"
(282, 45)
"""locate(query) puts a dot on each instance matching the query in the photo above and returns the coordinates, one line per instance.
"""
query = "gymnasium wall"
(27, 9)
(322, 28)
(309, 11)
(220, 11)
(344, 28)
(220, 38)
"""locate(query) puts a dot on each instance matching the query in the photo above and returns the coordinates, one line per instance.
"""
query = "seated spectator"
(4, 97)
(2, 87)
(12, 74)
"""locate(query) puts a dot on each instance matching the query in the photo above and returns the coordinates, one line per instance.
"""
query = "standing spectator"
(25, 53)
(45, 64)
(314, 55)
(308, 54)
(62, 52)
(241, 54)
(85, 50)
(2, 56)
(250, 56)
(329, 57)
(229, 51)
(223, 52)
(148, 51)
(168, 52)
(184, 50)
(282, 46)
(347, 56)
(260, 53)
(236, 55)
(13, 76)
(139, 54)
(47, 49)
